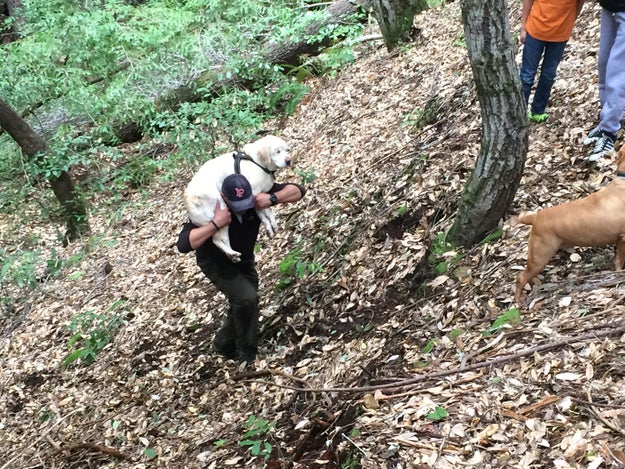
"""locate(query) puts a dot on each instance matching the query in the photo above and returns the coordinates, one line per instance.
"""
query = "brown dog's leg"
(620, 253)
(539, 252)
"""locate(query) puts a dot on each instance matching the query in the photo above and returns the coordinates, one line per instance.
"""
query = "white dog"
(257, 163)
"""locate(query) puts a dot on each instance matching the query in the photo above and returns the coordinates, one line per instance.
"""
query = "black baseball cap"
(238, 193)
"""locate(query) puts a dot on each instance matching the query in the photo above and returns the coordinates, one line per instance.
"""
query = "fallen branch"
(616, 329)
(95, 447)
(606, 422)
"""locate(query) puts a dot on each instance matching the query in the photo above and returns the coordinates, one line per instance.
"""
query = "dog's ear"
(263, 151)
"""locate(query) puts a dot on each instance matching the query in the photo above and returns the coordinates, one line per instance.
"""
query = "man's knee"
(246, 300)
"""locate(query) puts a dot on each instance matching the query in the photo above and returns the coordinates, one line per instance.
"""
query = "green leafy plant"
(288, 96)
(420, 118)
(45, 414)
(439, 414)
(255, 434)
(402, 210)
(306, 176)
(293, 266)
(459, 42)
(91, 333)
(150, 453)
(351, 460)
(512, 317)
(494, 236)
(440, 257)
(219, 443)
(19, 268)
(430, 345)
(455, 333)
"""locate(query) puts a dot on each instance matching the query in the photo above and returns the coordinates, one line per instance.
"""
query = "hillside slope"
(368, 319)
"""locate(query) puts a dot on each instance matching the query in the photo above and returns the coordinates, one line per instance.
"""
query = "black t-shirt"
(243, 234)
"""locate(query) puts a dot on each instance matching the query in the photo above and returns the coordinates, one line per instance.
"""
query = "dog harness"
(239, 155)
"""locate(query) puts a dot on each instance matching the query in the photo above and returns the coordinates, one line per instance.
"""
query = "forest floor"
(368, 357)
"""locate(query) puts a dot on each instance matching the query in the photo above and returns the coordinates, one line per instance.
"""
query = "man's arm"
(525, 12)
(192, 237)
(285, 193)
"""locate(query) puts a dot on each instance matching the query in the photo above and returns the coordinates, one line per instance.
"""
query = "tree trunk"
(492, 186)
(13, 9)
(283, 53)
(395, 18)
(34, 146)
(290, 53)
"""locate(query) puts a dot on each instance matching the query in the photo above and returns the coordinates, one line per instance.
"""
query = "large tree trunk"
(395, 18)
(34, 146)
(505, 127)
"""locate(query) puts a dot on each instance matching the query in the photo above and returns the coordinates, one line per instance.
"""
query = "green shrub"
(92, 332)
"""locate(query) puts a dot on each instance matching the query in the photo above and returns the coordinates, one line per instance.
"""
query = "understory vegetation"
(82, 70)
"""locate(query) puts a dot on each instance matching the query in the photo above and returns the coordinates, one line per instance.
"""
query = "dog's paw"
(234, 256)
(270, 228)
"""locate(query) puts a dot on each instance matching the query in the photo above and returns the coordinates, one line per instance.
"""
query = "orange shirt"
(551, 20)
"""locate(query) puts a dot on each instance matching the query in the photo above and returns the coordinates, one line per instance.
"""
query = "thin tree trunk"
(14, 11)
(395, 18)
(34, 146)
(499, 167)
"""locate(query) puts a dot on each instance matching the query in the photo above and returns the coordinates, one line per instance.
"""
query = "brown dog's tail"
(527, 218)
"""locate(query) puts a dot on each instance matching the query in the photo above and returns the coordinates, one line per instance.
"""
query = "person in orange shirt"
(546, 27)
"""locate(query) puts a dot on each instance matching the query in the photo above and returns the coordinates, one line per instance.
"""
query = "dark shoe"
(603, 146)
(228, 351)
(247, 357)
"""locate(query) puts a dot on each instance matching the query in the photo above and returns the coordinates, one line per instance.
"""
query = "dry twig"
(615, 330)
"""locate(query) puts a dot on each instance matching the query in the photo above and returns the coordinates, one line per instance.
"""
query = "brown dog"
(596, 220)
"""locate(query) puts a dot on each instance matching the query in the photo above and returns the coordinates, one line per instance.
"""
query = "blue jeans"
(533, 51)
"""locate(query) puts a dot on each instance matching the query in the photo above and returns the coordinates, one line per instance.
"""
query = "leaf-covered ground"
(369, 357)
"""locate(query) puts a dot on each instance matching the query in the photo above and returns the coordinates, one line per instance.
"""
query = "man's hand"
(261, 201)
(222, 215)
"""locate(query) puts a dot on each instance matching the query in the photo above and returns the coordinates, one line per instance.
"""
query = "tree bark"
(283, 53)
(499, 167)
(13, 9)
(34, 146)
(290, 53)
(395, 18)
(207, 84)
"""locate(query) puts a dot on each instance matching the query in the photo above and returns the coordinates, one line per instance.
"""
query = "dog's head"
(270, 151)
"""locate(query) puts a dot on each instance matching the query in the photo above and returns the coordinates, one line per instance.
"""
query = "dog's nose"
(288, 161)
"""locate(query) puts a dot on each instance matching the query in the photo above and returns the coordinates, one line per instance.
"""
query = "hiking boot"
(593, 136)
(538, 118)
(246, 357)
(603, 146)
(227, 350)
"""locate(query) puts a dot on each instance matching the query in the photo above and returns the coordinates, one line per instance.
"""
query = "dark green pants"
(238, 336)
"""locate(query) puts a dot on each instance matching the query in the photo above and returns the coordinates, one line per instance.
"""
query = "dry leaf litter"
(395, 342)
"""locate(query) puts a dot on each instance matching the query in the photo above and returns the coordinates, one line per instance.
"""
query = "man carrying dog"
(238, 336)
